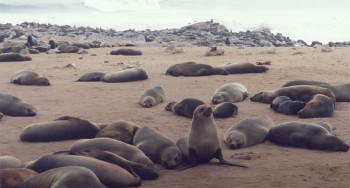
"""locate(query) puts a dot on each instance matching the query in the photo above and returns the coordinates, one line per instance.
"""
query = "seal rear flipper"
(191, 162)
(219, 156)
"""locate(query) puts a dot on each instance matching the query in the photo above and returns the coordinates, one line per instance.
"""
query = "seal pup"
(157, 147)
(285, 105)
(120, 130)
(14, 177)
(185, 107)
(126, 51)
(203, 143)
(126, 75)
(306, 135)
(248, 132)
(91, 77)
(319, 106)
(13, 106)
(7, 161)
(242, 68)
(225, 110)
(194, 69)
(152, 97)
(299, 92)
(63, 128)
(231, 92)
(13, 57)
(29, 78)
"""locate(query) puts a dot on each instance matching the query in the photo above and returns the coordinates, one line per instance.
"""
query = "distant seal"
(32, 41)
(13, 49)
(68, 49)
(319, 106)
(285, 105)
(185, 107)
(122, 149)
(13, 106)
(91, 77)
(214, 51)
(157, 147)
(29, 78)
(306, 135)
(225, 110)
(248, 132)
(341, 91)
(242, 68)
(120, 130)
(12, 57)
(231, 92)
(299, 92)
(126, 75)
(152, 97)
(81, 45)
(126, 51)
(1, 115)
(15, 177)
(63, 128)
(202, 143)
(7, 161)
(68, 176)
(194, 69)
(53, 44)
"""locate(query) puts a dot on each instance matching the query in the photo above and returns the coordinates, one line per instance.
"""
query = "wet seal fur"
(126, 51)
(185, 107)
(15, 177)
(120, 130)
(202, 143)
(13, 57)
(63, 128)
(194, 69)
(91, 77)
(306, 135)
(319, 106)
(126, 75)
(152, 97)
(248, 132)
(231, 92)
(285, 105)
(242, 68)
(157, 147)
(29, 78)
(225, 110)
(13, 106)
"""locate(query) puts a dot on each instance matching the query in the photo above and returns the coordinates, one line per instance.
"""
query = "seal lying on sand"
(29, 78)
(14, 177)
(185, 107)
(152, 97)
(12, 57)
(319, 106)
(120, 130)
(225, 110)
(13, 106)
(7, 161)
(306, 135)
(126, 75)
(68, 49)
(126, 51)
(231, 92)
(285, 105)
(194, 69)
(91, 77)
(242, 68)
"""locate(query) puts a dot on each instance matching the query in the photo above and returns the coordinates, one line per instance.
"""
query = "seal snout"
(208, 111)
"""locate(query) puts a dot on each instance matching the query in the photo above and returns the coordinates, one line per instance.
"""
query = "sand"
(270, 165)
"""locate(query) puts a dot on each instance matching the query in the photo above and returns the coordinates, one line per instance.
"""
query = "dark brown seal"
(68, 49)
(285, 105)
(29, 78)
(126, 51)
(319, 106)
(242, 68)
(15, 177)
(194, 69)
(185, 107)
(13, 106)
(13, 57)
(225, 110)
(126, 75)
(120, 130)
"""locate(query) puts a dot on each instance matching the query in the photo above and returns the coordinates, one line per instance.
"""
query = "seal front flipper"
(191, 161)
(219, 156)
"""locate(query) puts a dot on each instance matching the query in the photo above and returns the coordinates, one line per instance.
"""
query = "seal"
(299, 92)
(7, 161)
(248, 132)
(13, 106)
(152, 97)
(340, 91)
(13, 57)
(194, 69)
(306, 135)
(126, 75)
(29, 78)
(53, 44)
(1, 115)
(157, 147)
(214, 51)
(68, 176)
(319, 106)
(185, 107)
(285, 105)
(126, 51)
(242, 68)
(231, 92)
(225, 110)
(32, 41)
(91, 77)
(202, 143)
(122, 149)
(120, 130)
(68, 49)
(63, 128)
(14, 177)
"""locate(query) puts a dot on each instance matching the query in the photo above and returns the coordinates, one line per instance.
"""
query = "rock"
(326, 49)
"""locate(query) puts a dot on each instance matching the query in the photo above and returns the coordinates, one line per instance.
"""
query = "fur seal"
(68, 176)
(203, 143)
(126, 75)
(299, 92)
(214, 51)
(14, 177)
(13, 106)
(194, 69)
(126, 51)
(231, 92)
(53, 44)
(7, 161)
(68, 49)
(120, 130)
(341, 91)
(285, 105)
(242, 68)
(185, 107)
(12, 57)
(319, 106)
(81, 45)
(1, 115)
(29, 78)
(157, 147)
(306, 135)
(122, 149)
(91, 77)
(152, 97)
(32, 41)
(248, 132)
(225, 110)
(63, 128)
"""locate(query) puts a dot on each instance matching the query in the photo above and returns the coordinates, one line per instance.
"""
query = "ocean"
(309, 20)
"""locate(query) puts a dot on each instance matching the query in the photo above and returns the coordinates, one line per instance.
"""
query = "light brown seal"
(126, 75)
(7, 161)
(29, 78)
(319, 106)
(194, 69)
(231, 92)
(242, 68)
(13, 106)
(152, 97)
(120, 130)
(91, 77)
(185, 107)
(14, 177)
(13, 57)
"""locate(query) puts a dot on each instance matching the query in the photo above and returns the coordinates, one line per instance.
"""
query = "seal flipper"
(192, 161)
(218, 155)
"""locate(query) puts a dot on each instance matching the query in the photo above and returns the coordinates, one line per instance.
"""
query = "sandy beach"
(269, 165)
